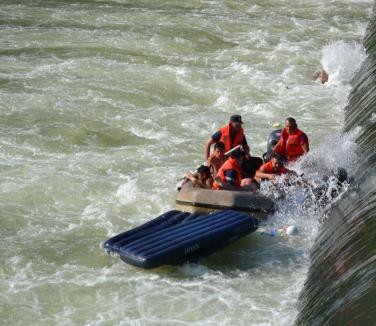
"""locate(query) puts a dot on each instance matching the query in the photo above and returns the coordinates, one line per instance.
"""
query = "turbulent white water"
(103, 106)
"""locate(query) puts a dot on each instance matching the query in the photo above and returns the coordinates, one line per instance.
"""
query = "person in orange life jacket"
(202, 178)
(217, 158)
(231, 135)
(272, 169)
(229, 175)
(293, 142)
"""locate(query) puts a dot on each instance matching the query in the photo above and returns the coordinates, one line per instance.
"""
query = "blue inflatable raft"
(177, 237)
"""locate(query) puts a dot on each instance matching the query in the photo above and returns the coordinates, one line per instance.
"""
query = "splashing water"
(342, 60)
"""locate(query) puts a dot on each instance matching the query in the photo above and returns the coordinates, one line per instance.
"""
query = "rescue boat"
(204, 201)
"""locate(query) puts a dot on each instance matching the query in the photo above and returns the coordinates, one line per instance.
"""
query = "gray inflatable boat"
(203, 201)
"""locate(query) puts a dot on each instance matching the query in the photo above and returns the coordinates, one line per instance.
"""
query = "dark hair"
(341, 174)
(276, 156)
(219, 145)
(237, 153)
(236, 118)
(203, 169)
(291, 120)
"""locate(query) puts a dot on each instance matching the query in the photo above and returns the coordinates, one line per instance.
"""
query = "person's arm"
(209, 162)
(277, 147)
(262, 175)
(191, 177)
(209, 183)
(230, 176)
(304, 143)
(207, 148)
(246, 147)
(214, 138)
(195, 181)
(280, 147)
(200, 184)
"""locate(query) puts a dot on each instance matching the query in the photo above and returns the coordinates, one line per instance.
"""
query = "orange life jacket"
(290, 144)
(269, 169)
(230, 164)
(227, 139)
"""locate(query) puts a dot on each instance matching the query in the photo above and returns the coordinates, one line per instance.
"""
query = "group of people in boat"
(232, 167)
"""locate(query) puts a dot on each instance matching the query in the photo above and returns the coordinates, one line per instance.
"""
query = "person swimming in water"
(321, 75)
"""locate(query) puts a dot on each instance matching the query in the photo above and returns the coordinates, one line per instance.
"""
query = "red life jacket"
(290, 144)
(269, 169)
(227, 139)
(230, 164)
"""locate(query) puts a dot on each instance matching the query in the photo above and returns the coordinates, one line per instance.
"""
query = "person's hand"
(190, 176)
(218, 181)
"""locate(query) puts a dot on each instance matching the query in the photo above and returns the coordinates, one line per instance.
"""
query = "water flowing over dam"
(341, 284)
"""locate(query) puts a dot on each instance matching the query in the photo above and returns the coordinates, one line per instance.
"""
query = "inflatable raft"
(203, 201)
(177, 237)
(197, 200)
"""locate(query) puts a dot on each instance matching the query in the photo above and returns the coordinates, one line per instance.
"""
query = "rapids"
(105, 104)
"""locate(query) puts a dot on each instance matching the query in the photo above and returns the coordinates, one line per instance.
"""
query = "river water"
(105, 104)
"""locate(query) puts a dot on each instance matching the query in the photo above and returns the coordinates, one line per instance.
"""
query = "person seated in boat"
(272, 169)
(201, 178)
(229, 175)
(293, 142)
(232, 135)
(217, 158)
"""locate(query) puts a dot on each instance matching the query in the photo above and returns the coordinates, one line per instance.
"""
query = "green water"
(105, 104)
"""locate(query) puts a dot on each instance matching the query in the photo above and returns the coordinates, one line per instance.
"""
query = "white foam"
(127, 192)
(342, 60)
(92, 212)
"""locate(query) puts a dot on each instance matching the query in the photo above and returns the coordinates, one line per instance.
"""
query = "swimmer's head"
(321, 75)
